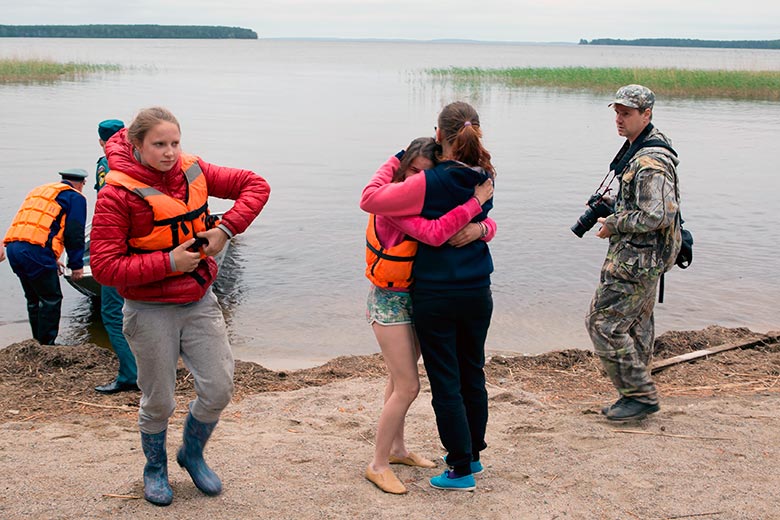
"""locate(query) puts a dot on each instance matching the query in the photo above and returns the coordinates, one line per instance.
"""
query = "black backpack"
(685, 256)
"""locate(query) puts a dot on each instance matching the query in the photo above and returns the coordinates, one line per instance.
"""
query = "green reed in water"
(45, 71)
(729, 84)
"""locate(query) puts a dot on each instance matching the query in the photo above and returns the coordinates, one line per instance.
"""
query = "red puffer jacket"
(120, 214)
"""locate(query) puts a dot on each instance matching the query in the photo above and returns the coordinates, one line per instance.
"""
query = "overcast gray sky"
(492, 20)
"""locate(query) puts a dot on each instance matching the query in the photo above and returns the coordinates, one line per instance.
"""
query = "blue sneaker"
(449, 482)
(476, 466)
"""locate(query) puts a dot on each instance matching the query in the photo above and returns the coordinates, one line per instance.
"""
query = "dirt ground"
(295, 444)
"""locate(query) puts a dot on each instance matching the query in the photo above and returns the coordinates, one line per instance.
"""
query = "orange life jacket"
(388, 267)
(33, 221)
(175, 221)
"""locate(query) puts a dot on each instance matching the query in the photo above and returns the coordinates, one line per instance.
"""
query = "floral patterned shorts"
(388, 307)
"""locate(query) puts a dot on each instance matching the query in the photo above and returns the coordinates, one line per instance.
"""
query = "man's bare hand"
(604, 232)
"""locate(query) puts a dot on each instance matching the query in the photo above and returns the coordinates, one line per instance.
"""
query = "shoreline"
(293, 363)
(69, 373)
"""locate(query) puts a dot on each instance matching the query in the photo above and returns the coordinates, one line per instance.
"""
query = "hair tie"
(467, 123)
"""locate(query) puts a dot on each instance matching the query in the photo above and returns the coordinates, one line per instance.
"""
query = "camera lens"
(586, 221)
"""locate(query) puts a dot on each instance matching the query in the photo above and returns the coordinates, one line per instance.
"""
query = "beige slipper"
(386, 481)
(412, 460)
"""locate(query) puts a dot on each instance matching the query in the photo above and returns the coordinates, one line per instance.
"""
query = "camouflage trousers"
(622, 328)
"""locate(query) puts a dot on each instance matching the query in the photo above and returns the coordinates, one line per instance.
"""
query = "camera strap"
(621, 159)
(604, 189)
(628, 150)
(624, 156)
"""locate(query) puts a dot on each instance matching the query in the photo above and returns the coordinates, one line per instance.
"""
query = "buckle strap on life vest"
(190, 215)
(381, 254)
(198, 278)
(179, 223)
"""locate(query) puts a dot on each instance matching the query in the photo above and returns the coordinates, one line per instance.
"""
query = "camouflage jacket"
(646, 224)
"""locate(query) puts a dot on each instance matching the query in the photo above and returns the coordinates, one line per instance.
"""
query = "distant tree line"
(127, 31)
(682, 42)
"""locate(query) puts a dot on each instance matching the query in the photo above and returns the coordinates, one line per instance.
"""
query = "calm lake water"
(316, 118)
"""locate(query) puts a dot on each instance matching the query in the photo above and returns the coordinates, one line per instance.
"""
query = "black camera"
(598, 206)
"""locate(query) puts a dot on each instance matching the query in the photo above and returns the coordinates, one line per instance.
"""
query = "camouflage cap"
(634, 96)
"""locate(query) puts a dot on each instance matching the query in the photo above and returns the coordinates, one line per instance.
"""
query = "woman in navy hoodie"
(451, 294)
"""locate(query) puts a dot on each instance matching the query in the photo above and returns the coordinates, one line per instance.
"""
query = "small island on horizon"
(127, 31)
(685, 42)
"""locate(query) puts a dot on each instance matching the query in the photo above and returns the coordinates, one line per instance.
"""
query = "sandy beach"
(295, 444)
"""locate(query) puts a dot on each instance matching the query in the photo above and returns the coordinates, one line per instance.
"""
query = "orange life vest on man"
(388, 267)
(175, 221)
(33, 221)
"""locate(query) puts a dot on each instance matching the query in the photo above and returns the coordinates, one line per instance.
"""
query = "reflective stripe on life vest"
(34, 220)
(388, 267)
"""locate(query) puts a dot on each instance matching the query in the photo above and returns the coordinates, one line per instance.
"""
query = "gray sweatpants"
(158, 334)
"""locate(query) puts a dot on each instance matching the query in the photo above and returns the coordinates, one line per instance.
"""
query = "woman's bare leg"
(398, 344)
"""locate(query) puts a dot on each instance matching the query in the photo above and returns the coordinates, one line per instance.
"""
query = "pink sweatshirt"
(398, 210)
(381, 196)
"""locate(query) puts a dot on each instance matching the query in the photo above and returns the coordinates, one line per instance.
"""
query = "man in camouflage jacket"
(644, 239)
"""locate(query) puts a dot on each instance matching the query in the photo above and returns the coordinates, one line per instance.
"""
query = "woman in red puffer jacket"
(143, 242)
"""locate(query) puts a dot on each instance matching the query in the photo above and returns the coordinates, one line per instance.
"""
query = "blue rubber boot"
(157, 490)
(190, 455)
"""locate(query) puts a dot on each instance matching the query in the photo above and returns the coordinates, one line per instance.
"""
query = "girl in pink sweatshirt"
(391, 243)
